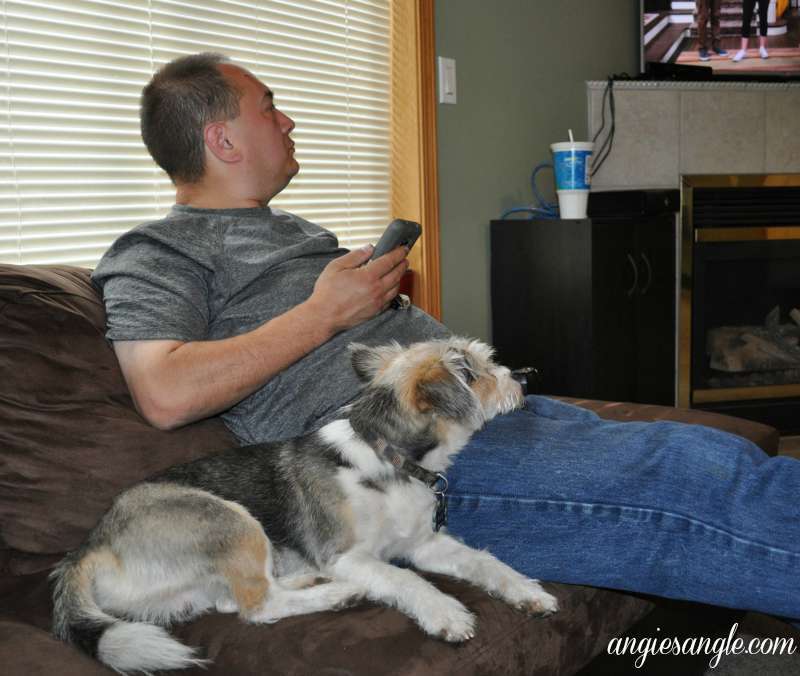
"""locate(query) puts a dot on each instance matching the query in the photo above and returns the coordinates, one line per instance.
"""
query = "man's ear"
(217, 138)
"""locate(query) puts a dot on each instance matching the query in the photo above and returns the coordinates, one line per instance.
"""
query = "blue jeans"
(682, 511)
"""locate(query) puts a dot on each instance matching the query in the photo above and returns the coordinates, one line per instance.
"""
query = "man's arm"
(174, 383)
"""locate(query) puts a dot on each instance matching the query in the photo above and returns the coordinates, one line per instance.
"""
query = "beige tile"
(645, 151)
(723, 132)
(782, 139)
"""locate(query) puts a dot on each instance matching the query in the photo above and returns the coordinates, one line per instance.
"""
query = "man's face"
(262, 132)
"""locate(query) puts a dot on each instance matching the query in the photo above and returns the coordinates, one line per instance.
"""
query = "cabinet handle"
(649, 272)
(630, 291)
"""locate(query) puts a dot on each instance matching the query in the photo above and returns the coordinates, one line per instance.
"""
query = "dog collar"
(436, 481)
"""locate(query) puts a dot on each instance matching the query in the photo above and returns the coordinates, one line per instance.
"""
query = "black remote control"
(399, 232)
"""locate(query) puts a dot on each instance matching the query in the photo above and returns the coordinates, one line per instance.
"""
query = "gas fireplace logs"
(759, 355)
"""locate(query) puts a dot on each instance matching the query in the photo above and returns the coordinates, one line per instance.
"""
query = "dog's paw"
(449, 621)
(529, 597)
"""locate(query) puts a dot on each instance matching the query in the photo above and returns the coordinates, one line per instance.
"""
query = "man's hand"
(348, 292)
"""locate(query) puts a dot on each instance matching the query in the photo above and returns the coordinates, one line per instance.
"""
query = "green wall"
(521, 72)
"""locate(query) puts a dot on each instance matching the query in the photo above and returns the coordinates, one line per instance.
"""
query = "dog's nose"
(527, 377)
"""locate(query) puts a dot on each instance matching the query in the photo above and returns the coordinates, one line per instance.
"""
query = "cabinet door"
(541, 301)
(655, 309)
(515, 293)
(615, 278)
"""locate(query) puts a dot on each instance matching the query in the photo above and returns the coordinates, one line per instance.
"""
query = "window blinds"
(74, 173)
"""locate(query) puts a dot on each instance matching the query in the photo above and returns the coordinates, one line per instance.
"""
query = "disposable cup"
(572, 164)
(572, 203)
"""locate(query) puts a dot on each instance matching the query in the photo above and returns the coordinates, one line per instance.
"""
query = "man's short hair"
(176, 105)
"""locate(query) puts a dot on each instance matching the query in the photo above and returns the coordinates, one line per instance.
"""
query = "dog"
(302, 526)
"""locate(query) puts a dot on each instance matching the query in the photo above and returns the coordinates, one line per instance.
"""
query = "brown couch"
(70, 440)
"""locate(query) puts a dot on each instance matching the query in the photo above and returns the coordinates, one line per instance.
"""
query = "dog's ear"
(367, 361)
(441, 391)
(463, 366)
(364, 361)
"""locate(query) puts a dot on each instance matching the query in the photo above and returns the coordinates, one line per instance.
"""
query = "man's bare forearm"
(194, 380)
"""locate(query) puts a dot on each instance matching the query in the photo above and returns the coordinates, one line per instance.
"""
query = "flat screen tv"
(669, 40)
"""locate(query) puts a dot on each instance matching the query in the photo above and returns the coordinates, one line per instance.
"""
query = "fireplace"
(739, 328)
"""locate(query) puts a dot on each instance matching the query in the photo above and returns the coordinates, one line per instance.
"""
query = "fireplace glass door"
(746, 318)
(739, 314)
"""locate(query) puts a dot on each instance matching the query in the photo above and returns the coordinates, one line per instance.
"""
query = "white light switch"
(447, 80)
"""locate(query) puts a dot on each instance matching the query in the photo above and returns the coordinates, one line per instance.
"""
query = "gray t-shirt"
(209, 274)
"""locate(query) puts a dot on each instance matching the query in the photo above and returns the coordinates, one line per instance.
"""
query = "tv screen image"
(671, 35)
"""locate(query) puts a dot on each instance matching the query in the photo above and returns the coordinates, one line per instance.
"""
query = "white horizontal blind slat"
(74, 173)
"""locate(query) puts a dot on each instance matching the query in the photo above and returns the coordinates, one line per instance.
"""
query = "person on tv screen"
(747, 18)
(708, 9)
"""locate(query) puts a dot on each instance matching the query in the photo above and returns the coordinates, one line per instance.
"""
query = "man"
(227, 305)
(706, 8)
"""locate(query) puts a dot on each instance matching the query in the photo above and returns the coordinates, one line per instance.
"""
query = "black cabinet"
(590, 303)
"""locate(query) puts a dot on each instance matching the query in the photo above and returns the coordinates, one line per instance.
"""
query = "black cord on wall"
(604, 151)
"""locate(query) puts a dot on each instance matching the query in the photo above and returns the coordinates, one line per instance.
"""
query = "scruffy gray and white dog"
(252, 530)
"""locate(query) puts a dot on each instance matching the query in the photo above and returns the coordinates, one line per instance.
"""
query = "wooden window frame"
(414, 185)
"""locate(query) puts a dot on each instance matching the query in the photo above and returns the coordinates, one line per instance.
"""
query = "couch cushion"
(359, 641)
(70, 437)
(34, 652)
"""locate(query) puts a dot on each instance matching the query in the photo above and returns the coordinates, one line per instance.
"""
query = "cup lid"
(572, 145)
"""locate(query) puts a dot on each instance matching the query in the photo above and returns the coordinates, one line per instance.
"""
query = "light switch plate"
(447, 80)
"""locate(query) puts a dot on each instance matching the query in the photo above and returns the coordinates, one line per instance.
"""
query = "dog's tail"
(123, 645)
